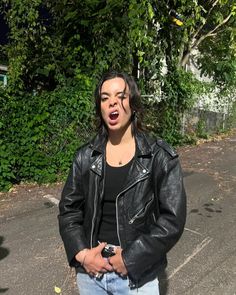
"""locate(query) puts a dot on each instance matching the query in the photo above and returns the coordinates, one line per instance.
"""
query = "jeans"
(113, 284)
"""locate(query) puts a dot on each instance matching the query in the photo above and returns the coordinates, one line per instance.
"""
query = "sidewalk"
(204, 260)
(32, 258)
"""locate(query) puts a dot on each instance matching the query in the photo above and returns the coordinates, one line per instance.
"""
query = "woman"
(123, 206)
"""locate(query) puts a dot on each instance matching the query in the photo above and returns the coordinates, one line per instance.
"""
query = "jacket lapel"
(98, 146)
(138, 169)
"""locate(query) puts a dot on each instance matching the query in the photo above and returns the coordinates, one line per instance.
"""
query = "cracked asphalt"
(32, 258)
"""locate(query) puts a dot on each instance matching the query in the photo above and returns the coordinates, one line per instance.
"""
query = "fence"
(199, 120)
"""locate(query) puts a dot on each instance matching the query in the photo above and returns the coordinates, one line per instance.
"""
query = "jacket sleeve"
(70, 216)
(150, 249)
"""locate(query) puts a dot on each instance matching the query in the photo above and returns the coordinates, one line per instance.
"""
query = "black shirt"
(114, 181)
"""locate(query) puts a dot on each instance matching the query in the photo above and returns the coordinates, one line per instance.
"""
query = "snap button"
(144, 170)
(93, 166)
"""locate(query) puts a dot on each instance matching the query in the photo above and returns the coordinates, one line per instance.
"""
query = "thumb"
(100, 247)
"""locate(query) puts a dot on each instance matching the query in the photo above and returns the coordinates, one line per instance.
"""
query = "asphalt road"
(32, 258)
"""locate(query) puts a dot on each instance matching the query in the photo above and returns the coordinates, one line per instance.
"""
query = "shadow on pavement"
(187, 173)
(163, 282)
(3, 253)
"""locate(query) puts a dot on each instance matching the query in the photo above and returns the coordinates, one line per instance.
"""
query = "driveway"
(32, 258)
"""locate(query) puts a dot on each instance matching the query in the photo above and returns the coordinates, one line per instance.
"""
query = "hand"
(117, 262)
(92, 260)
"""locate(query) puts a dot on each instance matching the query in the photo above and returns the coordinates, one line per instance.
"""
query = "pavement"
(33, 261)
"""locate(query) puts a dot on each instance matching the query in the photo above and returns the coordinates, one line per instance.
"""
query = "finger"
(118, 249)
(113, 260)
(108, 267)
(109, 260)
(100, 247)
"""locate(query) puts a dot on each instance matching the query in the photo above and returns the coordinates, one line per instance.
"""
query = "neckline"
(121, 166)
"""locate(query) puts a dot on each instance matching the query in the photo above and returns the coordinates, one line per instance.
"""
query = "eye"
(122, 96)
(104, 98)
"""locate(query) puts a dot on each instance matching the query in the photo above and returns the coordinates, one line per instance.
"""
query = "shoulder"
(166, 147)
(83, 151)
(165, 155)
(159, 145)
(83, 148)
(92, 148)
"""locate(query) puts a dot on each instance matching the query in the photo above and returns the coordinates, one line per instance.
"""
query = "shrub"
(41, 132)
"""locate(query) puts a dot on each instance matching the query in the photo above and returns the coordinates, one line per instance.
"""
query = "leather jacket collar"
(143, 149)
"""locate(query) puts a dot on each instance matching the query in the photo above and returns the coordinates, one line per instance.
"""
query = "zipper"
(135, 216)
(154, 217)
(117, 222)
(144, 209)
(93, 219)
(117, 212)
(95, 210)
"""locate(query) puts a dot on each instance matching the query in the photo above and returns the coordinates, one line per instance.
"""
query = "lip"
(113, 111)
(113, 121)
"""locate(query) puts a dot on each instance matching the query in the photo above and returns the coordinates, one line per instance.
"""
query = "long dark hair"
(134, 100)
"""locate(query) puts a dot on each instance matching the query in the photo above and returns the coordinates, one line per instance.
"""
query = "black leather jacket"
(151, 208)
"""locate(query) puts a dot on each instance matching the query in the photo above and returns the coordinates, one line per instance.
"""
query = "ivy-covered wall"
(40, 134)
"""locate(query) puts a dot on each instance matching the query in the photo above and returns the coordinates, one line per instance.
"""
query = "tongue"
(113, 116)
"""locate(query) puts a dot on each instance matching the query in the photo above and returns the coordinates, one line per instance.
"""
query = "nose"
(113, 101)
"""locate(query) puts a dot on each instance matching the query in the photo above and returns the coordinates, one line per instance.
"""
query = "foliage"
(25, 31)
(219, 60)
(58, 48)
(202, 21)
(206, 39)
(40, 133)
(231, 122)
(201, 131)
(52, 40)
(178, 96)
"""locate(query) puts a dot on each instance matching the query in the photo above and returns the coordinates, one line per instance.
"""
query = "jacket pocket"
(141, 212)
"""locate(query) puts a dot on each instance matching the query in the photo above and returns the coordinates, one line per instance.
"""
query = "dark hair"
(134, 100)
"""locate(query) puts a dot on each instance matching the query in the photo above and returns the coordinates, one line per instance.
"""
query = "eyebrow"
(104, 93)
(117, 93)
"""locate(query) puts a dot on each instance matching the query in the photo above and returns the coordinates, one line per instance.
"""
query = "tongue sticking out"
(114, 116)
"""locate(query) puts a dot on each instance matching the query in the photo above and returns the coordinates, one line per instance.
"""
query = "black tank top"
(115, 178)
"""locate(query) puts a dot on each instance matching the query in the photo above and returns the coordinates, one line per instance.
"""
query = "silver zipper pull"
(131, 221)
(135, 217)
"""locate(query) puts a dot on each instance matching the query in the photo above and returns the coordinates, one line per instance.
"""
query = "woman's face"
(115, 107)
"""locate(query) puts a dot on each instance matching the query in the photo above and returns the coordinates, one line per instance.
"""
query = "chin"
(114, 128)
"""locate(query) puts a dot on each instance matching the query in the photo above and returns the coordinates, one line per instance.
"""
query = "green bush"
(41, 132)
(231, 119)
(178, 94)
(201, 131)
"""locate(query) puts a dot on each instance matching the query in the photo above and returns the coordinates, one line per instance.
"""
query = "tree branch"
(203, 24)
(212, 32)
(212, 35)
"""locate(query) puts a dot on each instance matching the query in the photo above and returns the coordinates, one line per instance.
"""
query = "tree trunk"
(185, 58)
(135, 65)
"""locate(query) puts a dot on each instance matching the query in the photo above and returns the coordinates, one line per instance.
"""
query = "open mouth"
(114, 115)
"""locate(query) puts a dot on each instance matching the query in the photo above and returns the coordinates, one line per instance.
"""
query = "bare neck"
(120, 148)
(120, 137)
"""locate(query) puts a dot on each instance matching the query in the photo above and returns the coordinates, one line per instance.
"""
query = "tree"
(203, 27)
(201, 21)
(62, 38)
(58, 48)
